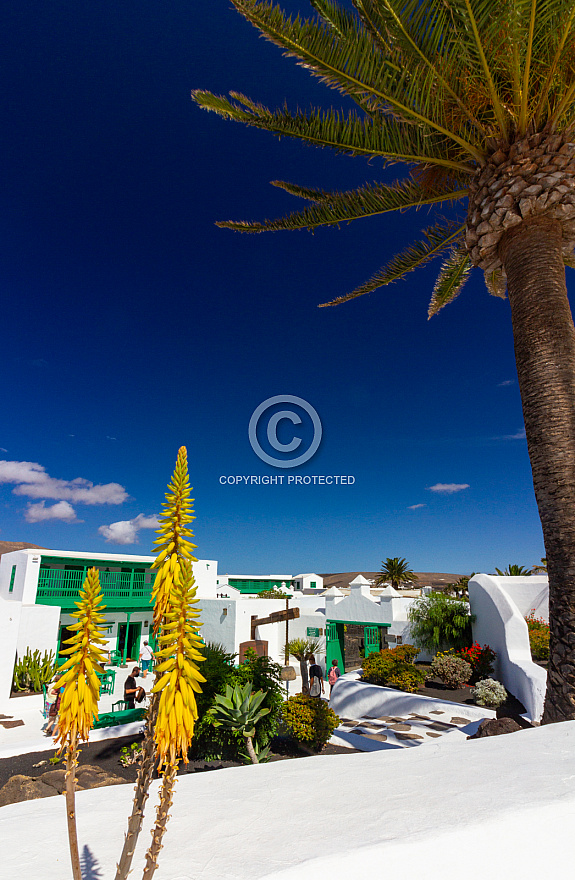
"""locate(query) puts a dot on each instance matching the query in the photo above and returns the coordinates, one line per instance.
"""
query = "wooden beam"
(274, 617)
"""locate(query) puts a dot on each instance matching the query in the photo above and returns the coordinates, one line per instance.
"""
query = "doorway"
(129, 641)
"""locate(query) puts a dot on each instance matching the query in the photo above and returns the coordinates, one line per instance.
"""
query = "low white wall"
(500, 623)
(355, 699)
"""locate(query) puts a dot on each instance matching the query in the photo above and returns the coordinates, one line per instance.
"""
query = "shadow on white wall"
(500, 605)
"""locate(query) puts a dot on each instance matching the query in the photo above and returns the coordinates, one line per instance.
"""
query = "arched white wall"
(500, 605)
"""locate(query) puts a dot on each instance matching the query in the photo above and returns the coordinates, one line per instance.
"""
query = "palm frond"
(453, 275)
(390, 140)
(421, 29)
(343, 207)
(357, 68)
(436, 239)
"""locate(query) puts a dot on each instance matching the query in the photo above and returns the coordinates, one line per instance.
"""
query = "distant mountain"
(424, 578)
(10, 546)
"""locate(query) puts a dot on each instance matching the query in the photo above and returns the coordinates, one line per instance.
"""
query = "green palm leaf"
(336, 207)
(347, 133)
(436, 239)
(358, 68)
(454, 273)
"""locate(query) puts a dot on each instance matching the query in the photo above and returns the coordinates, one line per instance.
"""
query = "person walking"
(53, 697)
(146, 657)
(333, 674)
(315, 678)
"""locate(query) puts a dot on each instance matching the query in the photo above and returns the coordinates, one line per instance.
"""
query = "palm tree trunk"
(544, 339)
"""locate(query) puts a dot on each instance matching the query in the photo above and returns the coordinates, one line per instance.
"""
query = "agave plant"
(477, 98)
(239, 710)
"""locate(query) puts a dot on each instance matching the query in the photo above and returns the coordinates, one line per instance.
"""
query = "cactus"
(33, 671)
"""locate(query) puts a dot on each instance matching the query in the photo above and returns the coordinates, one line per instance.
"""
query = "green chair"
(108, 681)
(115, 658)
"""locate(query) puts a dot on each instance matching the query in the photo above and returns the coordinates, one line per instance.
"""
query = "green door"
(371, 638)
(334, 649)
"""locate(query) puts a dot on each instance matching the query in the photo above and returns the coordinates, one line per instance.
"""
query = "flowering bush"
(480, 659)
(538, 637)
(489, 693)
(394, 668)
(309, 720)
(453, 671)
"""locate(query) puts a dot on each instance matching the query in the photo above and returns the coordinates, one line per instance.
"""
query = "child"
(333, 675)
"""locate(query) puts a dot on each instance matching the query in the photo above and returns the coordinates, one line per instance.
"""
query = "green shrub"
(33, 670)
(393, 668)
(481, 660)
(453, 671)
(212, 741)
(437, 622)
(538, 637)
(489, 693)
(309, 720)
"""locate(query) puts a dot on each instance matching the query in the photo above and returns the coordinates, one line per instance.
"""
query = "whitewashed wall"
(10, 618)
(38, 628)
(500, 624)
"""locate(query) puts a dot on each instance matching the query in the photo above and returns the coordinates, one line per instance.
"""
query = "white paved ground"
(497, 807)
(29, 735)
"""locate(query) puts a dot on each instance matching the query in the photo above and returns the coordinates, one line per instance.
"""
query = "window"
(12, 576)
(312, 583)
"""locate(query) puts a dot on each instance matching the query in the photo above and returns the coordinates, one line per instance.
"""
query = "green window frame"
(12, 577)
(312, 583)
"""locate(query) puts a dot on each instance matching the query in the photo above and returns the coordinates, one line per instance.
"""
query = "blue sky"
(132, 325)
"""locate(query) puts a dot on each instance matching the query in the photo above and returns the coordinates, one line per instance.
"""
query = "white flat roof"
(88, 554)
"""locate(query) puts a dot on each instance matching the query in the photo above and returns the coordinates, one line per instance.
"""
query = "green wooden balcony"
(122, 589)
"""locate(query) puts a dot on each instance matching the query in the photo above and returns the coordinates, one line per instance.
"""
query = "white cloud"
(33, 482)
(505, 383)
(2, 449)
(448, 488)
(126, 531)
(416, 506)
(519, 435)
(39, 513)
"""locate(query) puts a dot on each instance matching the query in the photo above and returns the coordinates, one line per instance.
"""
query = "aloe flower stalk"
(79, 702)
(179, 682)
(174, 585)
(173, 544)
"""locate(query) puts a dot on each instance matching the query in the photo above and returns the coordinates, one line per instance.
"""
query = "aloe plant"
(239, 710)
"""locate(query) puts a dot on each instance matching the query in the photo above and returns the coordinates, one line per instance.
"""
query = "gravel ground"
(106, 754)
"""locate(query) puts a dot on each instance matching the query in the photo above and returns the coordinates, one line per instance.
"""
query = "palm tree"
(396, 572)
(514, 571)
(477, 98)
(540, 569)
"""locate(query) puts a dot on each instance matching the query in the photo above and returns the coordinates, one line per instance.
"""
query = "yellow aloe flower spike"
(79, 701)
(178, 675)
(81, 691)
(173, 545)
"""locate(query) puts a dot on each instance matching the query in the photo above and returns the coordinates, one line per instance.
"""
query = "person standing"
(333, 674)
(146, 657)
(315, 678)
